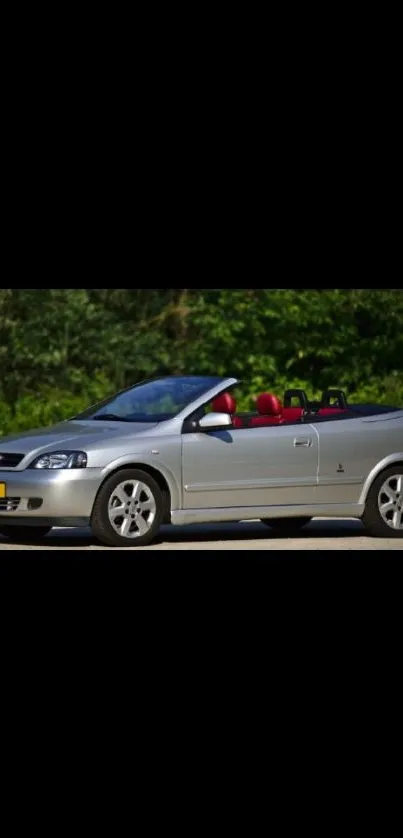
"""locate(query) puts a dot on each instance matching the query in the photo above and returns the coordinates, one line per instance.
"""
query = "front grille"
(9, 504)
(10, 460)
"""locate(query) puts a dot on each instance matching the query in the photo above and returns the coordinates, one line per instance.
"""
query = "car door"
(272, 465)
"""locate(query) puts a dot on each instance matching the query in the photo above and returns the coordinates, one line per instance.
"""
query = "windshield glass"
(153, 401)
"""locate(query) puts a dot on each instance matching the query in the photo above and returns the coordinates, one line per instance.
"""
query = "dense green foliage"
(61, 349)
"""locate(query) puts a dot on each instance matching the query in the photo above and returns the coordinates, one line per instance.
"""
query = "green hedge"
(63, 349)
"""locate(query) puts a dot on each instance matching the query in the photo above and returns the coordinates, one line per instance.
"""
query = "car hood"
(72, 435)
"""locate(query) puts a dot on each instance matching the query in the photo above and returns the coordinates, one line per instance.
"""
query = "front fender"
(387, 461)
(172, 478)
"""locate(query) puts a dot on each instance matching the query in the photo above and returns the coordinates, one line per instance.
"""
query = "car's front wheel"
(383, 514)
(286, 526)
(128, 509)
(24, 533)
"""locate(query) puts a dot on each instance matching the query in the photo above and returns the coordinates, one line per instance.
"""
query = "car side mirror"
(215, 422)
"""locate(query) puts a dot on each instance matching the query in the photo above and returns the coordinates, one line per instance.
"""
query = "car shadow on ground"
(64, 538)
(245, 531)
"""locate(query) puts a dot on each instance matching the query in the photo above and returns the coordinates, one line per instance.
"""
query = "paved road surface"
(320, 534)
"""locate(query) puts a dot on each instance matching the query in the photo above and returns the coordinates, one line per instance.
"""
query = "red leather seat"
(328, 411)
(292, 414)
(237, 422)
(270, 410)
(225, 403)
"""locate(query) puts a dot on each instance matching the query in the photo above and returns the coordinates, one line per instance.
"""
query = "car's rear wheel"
(383, 514)
(24, 533)
(287, 526)
(128, 509)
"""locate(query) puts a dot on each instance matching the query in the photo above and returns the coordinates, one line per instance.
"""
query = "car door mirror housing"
(215, 422)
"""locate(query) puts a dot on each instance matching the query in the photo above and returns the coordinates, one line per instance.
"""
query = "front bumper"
(54, 497)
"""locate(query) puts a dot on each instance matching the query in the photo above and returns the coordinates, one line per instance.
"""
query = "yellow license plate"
(2, 490)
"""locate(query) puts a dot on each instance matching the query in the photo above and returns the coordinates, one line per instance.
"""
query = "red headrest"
(268, 404)
(225, 403)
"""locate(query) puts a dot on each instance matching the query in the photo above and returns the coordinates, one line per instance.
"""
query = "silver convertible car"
(175, 450)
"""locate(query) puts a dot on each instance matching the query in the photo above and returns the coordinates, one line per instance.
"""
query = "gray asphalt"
(321, 534)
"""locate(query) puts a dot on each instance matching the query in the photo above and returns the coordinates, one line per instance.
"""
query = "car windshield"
(152, 401)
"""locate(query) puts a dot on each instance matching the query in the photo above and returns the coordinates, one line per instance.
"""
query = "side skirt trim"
(180, 517)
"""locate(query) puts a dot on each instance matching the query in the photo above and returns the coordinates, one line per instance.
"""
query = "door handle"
(302, 442)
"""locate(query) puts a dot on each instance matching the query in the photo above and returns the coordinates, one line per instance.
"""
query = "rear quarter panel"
(352, 452)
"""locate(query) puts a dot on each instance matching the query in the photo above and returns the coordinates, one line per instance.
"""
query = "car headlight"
(61, 459)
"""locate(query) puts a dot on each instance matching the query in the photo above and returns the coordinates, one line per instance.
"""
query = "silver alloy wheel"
(131, 509)
(390, 501)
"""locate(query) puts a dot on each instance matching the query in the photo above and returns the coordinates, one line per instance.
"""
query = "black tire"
(288, 526)
(20, 533)
(100, 520)
(372, 517)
